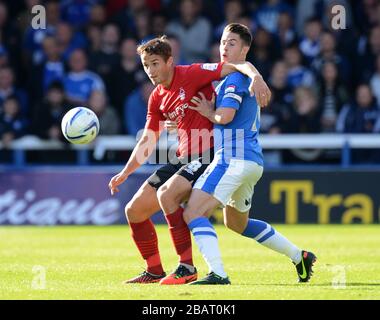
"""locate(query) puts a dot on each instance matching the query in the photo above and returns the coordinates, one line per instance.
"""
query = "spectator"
(193, 32)
(159, 24)
(366, 15)
(306, 9)
(77, 12)
(286, 34)
(126, 76)
(50, 70)
(9, 34)
(280, 106)
(333, 95)
(107, 57)
(68, 40)
(48, 114)
(98, 16)
(365, 62)
(268, 13)
(362, 116)
(262, 52)
(176, 50)
(126, 18)
(281, 91)
(298, 75)
(108, 120)
(328, 54)
(233, 10)
(305, 117)
(80, 82)
(4, 61)
(310, 44)
(13, 124)
(143, 26)
(33, 38)
(8, 89)
(135, 108)
(94, 37)
(247, 21)
(375, 81)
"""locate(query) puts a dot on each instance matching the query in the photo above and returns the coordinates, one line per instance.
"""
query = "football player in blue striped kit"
(237, 166)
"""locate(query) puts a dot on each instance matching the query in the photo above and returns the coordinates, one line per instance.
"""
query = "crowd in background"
(322, 79)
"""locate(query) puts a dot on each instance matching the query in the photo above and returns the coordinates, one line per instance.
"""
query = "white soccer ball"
(80, 125)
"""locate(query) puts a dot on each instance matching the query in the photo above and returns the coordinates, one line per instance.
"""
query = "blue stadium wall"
(80, 195)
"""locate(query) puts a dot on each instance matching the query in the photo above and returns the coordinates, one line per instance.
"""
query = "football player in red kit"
(172, 183)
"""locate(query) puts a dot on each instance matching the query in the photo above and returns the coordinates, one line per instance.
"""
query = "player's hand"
(116, 181)
(171, 125)
(202, 105)
(259, 88)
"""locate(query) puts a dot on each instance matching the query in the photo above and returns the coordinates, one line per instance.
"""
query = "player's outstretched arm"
(139, 156)
(258, 87)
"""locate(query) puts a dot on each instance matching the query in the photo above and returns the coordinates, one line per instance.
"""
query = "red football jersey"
(172, 104)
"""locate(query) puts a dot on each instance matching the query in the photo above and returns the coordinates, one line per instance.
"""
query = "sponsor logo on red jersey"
(209, 66)
(182, 94)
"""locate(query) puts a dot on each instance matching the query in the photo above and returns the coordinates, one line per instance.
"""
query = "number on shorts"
(194, 165)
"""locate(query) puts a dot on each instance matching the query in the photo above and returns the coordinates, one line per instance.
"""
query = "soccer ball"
(80, 125)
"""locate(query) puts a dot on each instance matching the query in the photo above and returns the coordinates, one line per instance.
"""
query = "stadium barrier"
(80, 195)
(343, 142)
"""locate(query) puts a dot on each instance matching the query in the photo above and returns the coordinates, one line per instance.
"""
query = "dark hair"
(313, 19)
(242, 30)
(56, 85)
(14, 98)
(159, 46)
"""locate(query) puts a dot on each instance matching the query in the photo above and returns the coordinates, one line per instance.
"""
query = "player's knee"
(168, 197)
(131, 211)
(163, 195)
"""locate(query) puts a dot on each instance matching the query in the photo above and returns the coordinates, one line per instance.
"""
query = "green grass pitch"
(91, 262)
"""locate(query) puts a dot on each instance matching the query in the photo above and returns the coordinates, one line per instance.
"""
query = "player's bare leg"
(235, 220)
(170, 196)
(143, 204)
(267, 236)
(138, 211)
(196, 215)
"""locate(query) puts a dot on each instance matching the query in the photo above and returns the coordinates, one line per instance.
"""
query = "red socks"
(145, 237)
(180, 234)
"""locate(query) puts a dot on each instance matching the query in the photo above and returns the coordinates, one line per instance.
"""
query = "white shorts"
(231, 184)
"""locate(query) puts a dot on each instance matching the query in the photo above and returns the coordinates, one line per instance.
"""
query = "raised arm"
(258, 87)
